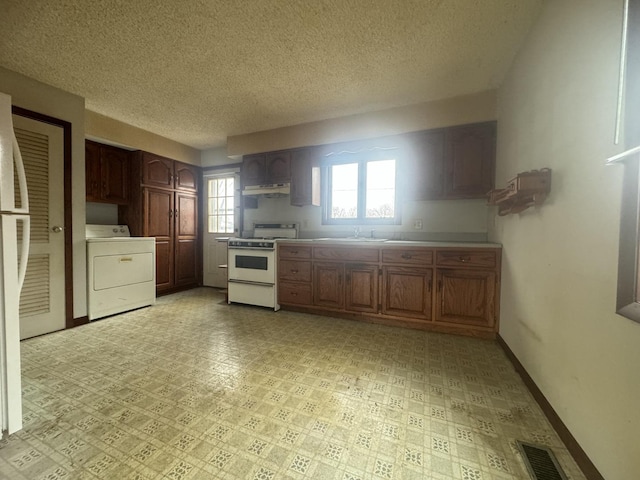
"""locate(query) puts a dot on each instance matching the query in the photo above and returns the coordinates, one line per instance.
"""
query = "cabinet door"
(361, 292)
(328, 287)
(425, 166)
(253, 169)
(92, 171)
(466, 297)
(158, 223)
(470, 160)
(278, 167)
(305, 179)
(115, 167)
(186, 241)
(186, 177)
(157, 171)
(164, 264)
(407, 292)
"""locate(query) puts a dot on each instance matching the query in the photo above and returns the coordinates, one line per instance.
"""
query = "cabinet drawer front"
(297, 293)
(348, 253)
(294, 251)
(466, 258)
(294, 270)
(408, 256)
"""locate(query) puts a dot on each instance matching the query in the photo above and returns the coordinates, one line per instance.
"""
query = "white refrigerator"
(14, 251)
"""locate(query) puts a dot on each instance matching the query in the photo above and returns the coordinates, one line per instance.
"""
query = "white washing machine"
(121, 270)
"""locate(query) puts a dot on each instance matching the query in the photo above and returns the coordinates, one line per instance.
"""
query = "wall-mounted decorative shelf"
(523, 191)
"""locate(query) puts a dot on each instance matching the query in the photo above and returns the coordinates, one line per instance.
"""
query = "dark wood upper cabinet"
(263, 169)
(116, 168)
(186, 177)
(107, 171)
(253, 169)
(157, 171)
(92, 171)
(470, 152)
(450, 163)
(163, 172)
(305, 178)
(424, 172)
(278, 167)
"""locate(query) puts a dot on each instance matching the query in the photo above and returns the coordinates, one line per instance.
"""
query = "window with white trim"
(220, 203)
(361, 188)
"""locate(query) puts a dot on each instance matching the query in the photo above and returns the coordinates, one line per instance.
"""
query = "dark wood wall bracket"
(527, 189)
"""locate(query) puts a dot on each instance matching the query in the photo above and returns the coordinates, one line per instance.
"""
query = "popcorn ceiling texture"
(199, 71)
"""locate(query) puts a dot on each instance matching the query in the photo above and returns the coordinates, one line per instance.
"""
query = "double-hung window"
(361, 188)
(220, 199)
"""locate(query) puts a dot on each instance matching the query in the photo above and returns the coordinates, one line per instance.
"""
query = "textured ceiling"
(199, 71)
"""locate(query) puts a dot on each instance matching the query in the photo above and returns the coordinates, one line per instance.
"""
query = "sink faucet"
(356, 232)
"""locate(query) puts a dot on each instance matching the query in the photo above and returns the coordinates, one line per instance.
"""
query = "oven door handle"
(260, 249)
(247, 282)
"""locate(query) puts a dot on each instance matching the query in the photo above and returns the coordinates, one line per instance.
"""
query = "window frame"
(362, 158)
(628, 288)
(225, 176)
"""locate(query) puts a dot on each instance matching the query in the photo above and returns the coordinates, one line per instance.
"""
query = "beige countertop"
(385, 242)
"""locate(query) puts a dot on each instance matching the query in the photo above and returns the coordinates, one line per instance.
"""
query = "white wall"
(556, 109)
(39, 97)
(214, 157)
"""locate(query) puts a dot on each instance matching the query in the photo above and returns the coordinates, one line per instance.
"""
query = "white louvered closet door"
(42, 302)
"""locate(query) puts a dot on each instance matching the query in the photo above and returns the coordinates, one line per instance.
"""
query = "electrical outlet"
(417, 224)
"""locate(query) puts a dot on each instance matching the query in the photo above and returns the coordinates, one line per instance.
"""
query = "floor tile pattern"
(192, 388)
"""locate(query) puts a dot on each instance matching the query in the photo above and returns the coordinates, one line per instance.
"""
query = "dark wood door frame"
(68, 219)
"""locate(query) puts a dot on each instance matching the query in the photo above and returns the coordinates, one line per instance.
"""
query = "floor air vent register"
(540, 462)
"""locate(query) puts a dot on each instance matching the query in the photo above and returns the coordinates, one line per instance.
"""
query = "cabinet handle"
(294, 271)
(170, 213)
(294, 294)
(176, 212)
(294, 252)
(406, 256)
(464, 259)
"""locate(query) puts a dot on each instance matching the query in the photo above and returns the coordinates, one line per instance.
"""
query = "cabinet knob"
(464, 259)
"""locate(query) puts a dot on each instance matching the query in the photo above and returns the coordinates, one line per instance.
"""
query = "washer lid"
(106, 231)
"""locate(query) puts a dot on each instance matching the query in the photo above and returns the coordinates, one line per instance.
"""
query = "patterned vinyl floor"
(192, 388)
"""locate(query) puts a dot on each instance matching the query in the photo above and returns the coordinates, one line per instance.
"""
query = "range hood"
(270, 190)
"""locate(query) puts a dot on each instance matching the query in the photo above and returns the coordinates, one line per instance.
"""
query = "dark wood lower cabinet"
(453, 290)
(466, 297)
(328, 288)
(361, 288)
(164, 264)
(406, 292)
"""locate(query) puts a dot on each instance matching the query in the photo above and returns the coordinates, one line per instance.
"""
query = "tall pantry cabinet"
(164, 205)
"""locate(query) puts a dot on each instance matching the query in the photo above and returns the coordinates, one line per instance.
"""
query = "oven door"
(252, 265)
